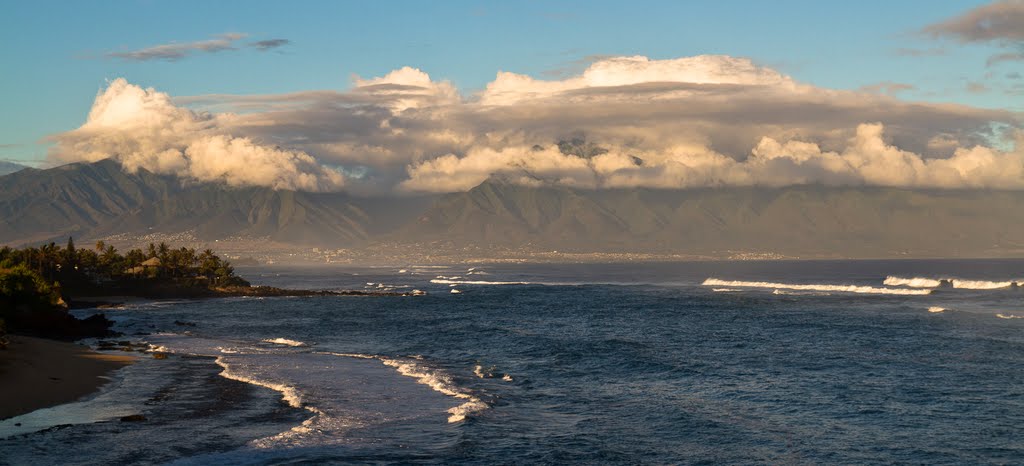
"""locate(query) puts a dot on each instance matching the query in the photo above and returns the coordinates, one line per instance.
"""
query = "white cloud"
(867, 160)
(141, 128)
(679, 123)
(510, 88)
(407, 88)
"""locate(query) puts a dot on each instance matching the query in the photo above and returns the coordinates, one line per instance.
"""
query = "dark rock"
(133, 418)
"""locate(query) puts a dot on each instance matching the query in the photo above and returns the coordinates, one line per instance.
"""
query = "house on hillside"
(149, 264)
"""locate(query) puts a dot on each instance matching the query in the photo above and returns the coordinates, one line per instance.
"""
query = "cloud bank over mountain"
(700, 121)
(141, 128)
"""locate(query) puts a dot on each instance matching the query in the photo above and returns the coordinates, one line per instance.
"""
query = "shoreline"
(38, 373)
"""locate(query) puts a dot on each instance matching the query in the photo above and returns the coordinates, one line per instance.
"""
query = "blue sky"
(57, 55)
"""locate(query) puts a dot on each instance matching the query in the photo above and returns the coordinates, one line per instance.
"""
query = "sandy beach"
(38, 373)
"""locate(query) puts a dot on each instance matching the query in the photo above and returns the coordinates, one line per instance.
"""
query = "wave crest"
(816, 287)
(914, 282)
(284, 341)
(926, 282)
(435, 379)
(442, 383)
(448, 281)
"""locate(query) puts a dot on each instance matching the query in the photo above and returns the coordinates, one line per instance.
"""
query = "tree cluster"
(102, 265)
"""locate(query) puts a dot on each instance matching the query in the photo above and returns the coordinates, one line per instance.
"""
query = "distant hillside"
(9, 167)
(100, 199)
(804, 221)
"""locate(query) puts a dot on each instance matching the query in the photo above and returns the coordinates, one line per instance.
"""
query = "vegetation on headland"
(37, 284)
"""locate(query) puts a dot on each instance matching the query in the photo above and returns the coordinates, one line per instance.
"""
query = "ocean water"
(838, 362)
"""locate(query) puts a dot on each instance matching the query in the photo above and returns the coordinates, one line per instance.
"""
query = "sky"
(939, 76)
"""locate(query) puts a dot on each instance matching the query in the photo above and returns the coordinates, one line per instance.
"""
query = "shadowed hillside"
(803, 220)
(100, 199)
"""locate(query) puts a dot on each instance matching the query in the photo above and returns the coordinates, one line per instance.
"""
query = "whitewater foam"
(1009, 316)
(936, 309)
(925, 282)
(488, 373)
(433, 378)
(914, 282)
(816, 287)
(801, 293)
(726, 290)
(288, 393)
(439, 382)
(284, 341)
(447, 281)
(981, 284)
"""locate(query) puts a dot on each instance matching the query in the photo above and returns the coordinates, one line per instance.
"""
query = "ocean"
(805, 362)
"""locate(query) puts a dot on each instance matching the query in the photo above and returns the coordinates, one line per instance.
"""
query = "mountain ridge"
(100, 200)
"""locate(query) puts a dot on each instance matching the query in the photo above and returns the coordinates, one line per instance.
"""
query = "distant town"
(251, 251)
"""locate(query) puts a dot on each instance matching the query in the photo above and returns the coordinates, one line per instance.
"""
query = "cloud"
(625, 121)
(142, 129)
(1004, 57)
(407, 88)
(977, 88)
(930, 52)
(866, 160)
(177, 51)
(509, 88)
(264, 45)
(1001, 21)
(888, 88)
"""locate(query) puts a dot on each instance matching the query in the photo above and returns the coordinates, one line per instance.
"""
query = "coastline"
(39, 373)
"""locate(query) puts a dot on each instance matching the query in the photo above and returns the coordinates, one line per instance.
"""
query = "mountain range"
(96, 200)
(10, 167)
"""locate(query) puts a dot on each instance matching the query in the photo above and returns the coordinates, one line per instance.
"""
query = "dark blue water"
(638, 363)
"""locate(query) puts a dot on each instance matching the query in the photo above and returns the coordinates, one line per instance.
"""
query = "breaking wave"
(433, 378)
(936, 309)
(915, 282)
(801, 293)
(288, 393)
(1009, 316)
(447, 281)
(284, 341)
(925, 282)
(816, 287)
(442, 383)
(981, 284)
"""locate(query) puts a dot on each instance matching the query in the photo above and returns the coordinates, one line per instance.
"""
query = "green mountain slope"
(803, 220)
(99, 199)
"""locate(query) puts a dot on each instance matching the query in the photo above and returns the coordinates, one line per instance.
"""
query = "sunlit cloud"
(623, 122)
